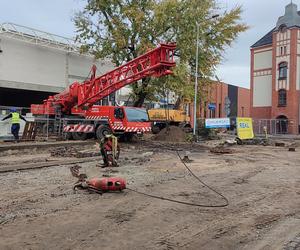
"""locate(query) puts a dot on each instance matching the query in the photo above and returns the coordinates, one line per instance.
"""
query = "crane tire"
(102, 131)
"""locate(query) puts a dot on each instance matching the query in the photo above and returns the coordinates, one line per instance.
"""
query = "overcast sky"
(55, 16)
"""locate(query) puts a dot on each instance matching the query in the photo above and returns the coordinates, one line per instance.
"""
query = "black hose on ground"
(183, 202)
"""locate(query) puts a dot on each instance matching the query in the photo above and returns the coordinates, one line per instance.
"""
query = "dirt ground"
(39, 209)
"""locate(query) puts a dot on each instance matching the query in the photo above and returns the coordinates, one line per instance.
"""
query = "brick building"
(275, 73)
(221, 94)
(218, 96)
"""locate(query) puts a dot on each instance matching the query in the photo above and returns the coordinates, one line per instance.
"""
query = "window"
(243, 111)
(136, 114)
(119, 113)
(282, 98)
(282, 28)
(212, 113)
(283, 50)
(282, 71)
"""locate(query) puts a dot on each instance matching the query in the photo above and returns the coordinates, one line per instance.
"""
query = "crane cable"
(225, 204)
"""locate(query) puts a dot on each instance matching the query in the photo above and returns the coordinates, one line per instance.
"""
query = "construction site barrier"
(275, 126)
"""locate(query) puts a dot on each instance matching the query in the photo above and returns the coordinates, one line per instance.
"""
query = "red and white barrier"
(88, 128)
(83, 128)
(138, 129)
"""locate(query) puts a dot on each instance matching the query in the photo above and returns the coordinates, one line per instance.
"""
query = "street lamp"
(196, 74)
(196, 81)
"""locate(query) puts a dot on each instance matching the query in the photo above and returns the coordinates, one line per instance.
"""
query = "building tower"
(275, 73)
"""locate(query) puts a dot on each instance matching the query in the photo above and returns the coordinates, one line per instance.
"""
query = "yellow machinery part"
(169, 115)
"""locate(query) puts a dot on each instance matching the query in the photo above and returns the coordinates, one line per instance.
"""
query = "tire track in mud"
(182, 237)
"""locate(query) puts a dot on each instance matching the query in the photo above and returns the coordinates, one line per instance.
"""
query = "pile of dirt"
(171, 134)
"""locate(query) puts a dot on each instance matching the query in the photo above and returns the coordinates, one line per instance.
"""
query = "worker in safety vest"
(15, 122)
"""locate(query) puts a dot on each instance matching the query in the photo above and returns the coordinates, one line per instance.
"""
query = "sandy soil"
(39, 209)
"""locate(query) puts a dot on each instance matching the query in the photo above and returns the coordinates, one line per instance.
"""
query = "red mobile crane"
(79, 99)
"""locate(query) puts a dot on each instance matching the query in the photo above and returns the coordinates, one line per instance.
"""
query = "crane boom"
(156, 63)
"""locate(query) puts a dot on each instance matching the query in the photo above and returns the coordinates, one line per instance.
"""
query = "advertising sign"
(244, 128)
(217, 123)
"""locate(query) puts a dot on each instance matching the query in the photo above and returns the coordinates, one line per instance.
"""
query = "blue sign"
(217, 123)
(211, 106)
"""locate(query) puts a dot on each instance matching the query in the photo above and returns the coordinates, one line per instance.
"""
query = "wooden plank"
(29, 132)
(24, 135)
(34, 131)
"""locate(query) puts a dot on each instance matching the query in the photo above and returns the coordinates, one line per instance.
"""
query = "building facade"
(222, 100)
(35, 64)
(225, 100)
(275, 73)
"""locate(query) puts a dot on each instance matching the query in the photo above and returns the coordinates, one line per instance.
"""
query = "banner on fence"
(217, 123)
(244, 128)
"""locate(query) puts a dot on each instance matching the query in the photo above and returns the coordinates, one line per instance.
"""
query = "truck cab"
(119, 120)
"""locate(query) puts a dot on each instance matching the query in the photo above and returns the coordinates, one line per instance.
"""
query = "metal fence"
(274, 126)
(269, 126)
(44, 127)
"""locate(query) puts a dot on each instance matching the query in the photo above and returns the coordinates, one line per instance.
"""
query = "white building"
(35, 64)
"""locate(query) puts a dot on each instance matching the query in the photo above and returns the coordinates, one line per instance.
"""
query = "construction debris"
(231, 142)
(71, 152)
(279, 144)
(221, 150)
(254, 141)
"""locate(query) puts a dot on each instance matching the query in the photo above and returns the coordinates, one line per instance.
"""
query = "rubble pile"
(221, 150)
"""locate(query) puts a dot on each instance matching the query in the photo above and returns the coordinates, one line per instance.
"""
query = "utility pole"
(196, 74)
(196, 81)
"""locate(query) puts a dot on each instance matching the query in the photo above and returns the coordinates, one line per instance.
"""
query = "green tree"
(125, 29)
